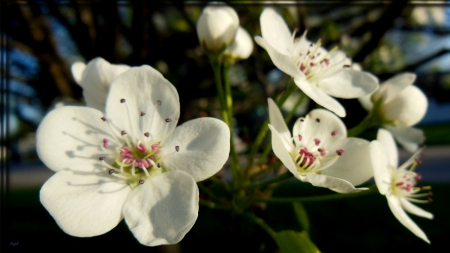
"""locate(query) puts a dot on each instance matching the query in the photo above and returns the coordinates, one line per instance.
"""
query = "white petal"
(282, 153)
(320, 97)
(394, 86)
(84, 203)
(349, 83)
(242, 46)
(401, 216)
(77, 70)
(281, 61)
(96, 79)
(386, 139)
(332, 183)
(411, 208)
(407, 108)
(380, 166)
(366, 102)
(163, 209)
(320, 124)
(71, 135)
(277, 121)
(409, 137)
(142, 88)
(275, 31)
(204, 147)
(354, 164)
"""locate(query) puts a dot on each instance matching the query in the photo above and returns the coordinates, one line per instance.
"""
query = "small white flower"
(95, 79)
(217, 26)
(130, 162)
(399, 105)
(398, 184)
(317, 72)
(242, 46)
(319, 151)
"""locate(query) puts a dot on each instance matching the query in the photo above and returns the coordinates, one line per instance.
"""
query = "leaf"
(301, 215)
(295, 242)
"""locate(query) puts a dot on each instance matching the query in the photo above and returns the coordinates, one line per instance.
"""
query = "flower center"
(404, 182)
(314, 61)
(310, 155)
(136, 161)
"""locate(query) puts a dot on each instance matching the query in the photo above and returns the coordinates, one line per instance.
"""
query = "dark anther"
(317, 120)
(123, 132)
(168, 120)
(430, 200)
(177, 148)
(311, 44)
(146, 134)
(159, 102)
(159, 165)
(418, 161)
(101, 158)
(141, 181)
(111, 171)
(103, 118)
(142, 114)
(347, 66)
(122, 100)
(301, 120)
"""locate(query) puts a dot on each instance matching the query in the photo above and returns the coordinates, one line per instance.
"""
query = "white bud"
(242, 46)
(217, 26)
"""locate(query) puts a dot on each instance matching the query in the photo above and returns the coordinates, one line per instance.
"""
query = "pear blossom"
(95, 79)
(217, 26)
(399, 105)
(242, 46)
(130, 162)
(398, 184)
(319, 151)
(317, 72)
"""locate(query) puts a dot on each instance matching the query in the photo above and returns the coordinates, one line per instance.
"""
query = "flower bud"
(242, 46)
(217, 26)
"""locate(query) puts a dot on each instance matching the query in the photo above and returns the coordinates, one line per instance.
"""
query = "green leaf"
(301, 215)
(295, 242)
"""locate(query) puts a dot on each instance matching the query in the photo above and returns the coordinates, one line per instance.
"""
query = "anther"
(142, 114)
(103, 118)
(158, 165)
(430, 194)
(347, 66)
(317, 120)
(430, 200)
(177, 148)
(101, 158)
(111, 171)
(317, 141)
(339, 152)
(302, 120)
(168, 120)
(123, 132)
(159, 102)
(322, 151)
(141, 181)
(146, 134)
(122, 100)
(418, 161)
(334, 133)
(300, 138)
(105, 143)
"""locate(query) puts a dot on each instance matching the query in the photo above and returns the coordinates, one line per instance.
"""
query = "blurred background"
(41, 39)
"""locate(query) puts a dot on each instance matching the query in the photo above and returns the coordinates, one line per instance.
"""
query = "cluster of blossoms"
(123, 157)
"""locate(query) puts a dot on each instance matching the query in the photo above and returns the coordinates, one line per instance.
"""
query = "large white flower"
(317, 72)
(398, 183)
(130, 162)
(399, 105)
(95, 79)
(319, 151)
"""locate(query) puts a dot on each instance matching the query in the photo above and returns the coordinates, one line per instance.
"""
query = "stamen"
(177, 148)
(159, 102)
(158, 165)
(122, 100)
(317, 141)
(123, 132)
(334, 133)
(300, 137)
(322, 151)
(111, 171)
(318, 120)
(103, 118)
(142, 113)
(101, 158)
(105, 143)
(168, 120)
(346, 66)
(146, 134)
(141, 181)
(339, 152)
